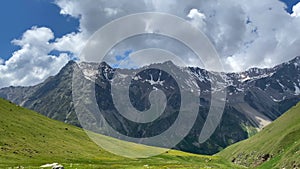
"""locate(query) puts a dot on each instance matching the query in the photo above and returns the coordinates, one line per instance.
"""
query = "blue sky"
(19, 15)
(290, 4)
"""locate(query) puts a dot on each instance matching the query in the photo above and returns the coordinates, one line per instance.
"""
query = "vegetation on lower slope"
(276, 146)
(29, 139)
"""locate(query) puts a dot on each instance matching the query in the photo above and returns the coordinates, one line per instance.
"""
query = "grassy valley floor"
(30, 140)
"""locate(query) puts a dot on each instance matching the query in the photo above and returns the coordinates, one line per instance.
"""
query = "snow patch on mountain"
(297, 90)
(278, 100)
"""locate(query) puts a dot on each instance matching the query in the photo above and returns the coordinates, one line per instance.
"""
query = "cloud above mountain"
(245, 34)
(296, 10)
(32, 62)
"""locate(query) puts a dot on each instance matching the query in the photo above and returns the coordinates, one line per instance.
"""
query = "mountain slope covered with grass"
(276, 146)
(29, 139)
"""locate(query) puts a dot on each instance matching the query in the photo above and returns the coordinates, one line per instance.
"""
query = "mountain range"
(254, 99)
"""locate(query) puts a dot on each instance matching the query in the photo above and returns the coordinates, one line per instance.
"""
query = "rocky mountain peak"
(254, 98)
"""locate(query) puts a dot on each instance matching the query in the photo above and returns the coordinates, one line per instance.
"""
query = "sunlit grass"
(29, 139)
(280, 140)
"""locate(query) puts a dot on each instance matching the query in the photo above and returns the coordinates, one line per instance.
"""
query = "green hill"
(276, 146)
(29, 139)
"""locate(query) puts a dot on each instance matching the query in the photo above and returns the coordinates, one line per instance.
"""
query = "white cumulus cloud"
(198, 18)
(245, 33)
(296, 10)
(32, 64)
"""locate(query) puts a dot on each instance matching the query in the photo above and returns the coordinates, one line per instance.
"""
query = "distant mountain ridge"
(254, 99)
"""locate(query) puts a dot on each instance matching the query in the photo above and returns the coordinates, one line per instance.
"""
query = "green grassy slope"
(29, 139)
(276, 146)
